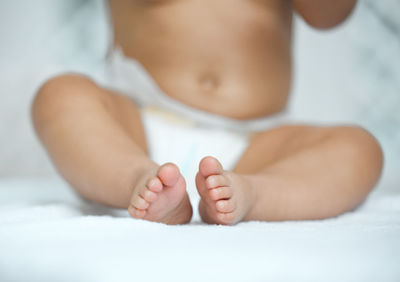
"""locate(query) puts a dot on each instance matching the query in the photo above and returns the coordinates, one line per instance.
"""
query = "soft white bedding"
(47, 233)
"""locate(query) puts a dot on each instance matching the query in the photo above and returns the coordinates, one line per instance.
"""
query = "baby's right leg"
(96, 140)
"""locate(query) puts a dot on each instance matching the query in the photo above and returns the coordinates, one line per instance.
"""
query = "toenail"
(152, 182)
(211, 181)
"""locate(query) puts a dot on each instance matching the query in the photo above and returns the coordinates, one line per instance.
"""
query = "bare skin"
(287, 183)
(96, 140)
(95, 137)
(161, 196)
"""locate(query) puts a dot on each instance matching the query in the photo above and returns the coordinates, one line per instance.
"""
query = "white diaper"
(171, 139)
(176, 132)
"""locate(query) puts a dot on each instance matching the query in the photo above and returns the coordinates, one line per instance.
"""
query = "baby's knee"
(61, 87)
(59, 92)
(363, 148)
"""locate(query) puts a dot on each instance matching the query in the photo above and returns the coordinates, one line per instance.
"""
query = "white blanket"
(47, 233)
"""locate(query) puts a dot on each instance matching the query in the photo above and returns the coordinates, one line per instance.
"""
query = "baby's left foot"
(226, 197)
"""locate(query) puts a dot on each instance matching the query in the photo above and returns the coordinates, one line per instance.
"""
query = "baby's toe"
(136, 213)
(221, 193)
(169, 174)
(218, 180)
(140, 203)
(226, 218)
(148, 195)
(210, 166)
(154, 185)
(225, 205)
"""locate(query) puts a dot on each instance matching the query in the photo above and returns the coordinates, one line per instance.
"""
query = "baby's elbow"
(328, 17)
(325, 23)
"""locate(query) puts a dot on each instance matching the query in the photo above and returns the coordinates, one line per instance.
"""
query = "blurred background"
(347, 75)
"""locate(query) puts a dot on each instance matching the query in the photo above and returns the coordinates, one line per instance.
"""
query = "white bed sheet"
(47, 233)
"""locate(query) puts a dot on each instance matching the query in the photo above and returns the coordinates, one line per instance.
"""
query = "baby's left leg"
(292, 173)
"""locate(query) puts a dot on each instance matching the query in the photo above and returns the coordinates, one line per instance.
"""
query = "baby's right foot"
(161, 196)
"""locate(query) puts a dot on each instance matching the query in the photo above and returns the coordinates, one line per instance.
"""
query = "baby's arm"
(324, 13)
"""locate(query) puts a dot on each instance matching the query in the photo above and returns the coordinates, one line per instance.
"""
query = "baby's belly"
(233, 62)
(241, 92)
(233, 93)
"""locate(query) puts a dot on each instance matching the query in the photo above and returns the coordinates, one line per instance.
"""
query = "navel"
(209, 82)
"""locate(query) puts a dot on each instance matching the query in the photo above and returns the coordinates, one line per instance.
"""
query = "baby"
(225, 60)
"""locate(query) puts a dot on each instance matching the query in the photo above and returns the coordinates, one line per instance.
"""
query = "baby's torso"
(228, 57)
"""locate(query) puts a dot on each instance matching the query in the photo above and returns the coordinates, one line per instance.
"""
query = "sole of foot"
(160, 196)
(226, 197)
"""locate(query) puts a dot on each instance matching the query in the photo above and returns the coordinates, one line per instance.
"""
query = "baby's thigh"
(266, 147)
(78, 96)
(279, 143)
